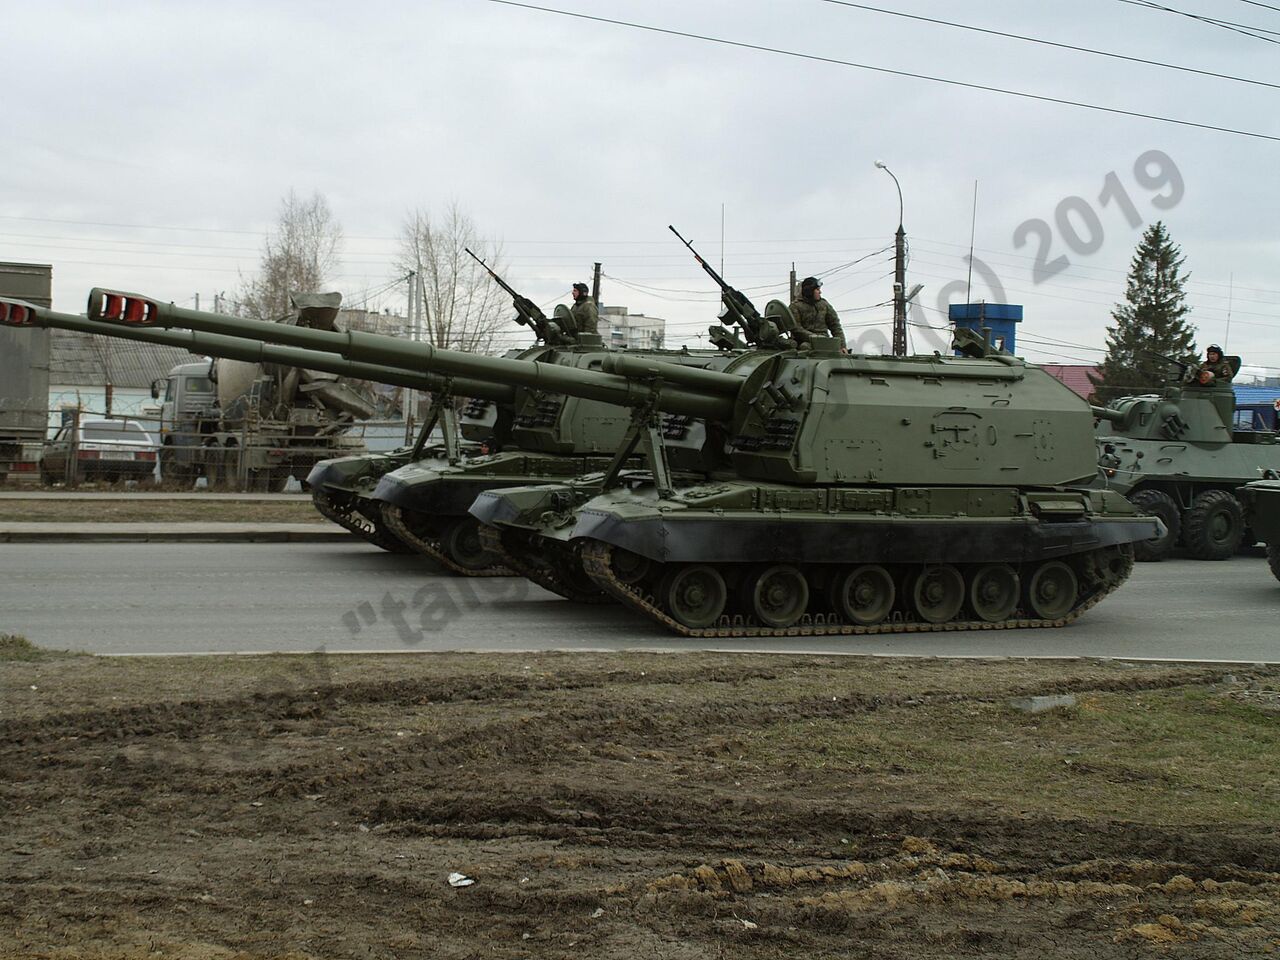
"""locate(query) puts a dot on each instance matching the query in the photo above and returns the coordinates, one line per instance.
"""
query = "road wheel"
(463, 545)
(630, 568)
(777, 596)
(694, 595)
(864, 596)
(1213, 525)
(1155, 503)
(993, 594)
(938, 593)
(1051, 592)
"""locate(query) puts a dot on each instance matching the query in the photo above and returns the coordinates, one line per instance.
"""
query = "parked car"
(105, 450)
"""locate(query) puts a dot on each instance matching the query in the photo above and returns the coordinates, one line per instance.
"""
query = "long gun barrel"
(17, 313)
(527, 312)
(699, 400)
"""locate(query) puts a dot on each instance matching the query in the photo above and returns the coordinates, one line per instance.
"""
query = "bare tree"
(297, 257)
(465, 310)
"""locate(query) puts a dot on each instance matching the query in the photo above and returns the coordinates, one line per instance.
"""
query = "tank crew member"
(814, 314)
(584, 312)
(1215, 368)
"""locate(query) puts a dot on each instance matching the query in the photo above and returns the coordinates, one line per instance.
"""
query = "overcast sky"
(149, 145)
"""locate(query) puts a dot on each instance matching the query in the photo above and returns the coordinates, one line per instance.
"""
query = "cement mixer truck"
(255, 425)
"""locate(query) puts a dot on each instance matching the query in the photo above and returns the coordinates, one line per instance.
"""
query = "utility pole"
(197, 301)
(595, 284)
(793, 282)
(899, 276)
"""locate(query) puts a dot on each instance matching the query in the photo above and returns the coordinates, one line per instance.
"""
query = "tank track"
(550, 577)
(350, 520)
(433, 548)
(1273, 559)
(597, 561)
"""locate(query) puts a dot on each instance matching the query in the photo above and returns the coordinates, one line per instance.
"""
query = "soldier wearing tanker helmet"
(1215, 369)
(584, 312)
(815, 315)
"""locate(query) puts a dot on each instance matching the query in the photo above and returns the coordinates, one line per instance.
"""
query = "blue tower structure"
(1001, 318)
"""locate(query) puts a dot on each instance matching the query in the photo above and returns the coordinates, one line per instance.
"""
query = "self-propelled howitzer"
(539, 433)
(857, 494)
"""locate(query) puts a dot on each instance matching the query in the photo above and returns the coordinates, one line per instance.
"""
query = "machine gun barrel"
(633, 389)
(1106, 413)
(527, 312)
(742, 310)
(17, 313)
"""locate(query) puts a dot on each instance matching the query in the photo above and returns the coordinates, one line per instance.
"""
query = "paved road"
(197, 598)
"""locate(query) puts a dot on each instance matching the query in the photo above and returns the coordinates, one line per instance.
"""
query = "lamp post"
(899, 276)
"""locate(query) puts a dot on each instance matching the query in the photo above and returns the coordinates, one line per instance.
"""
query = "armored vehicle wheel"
(463, 545)
(1273, 558)
(777, 596)
(993, 594)
(864, 596)
(630, 568)
(1213, 525)
(1051, 592)
(694, 595)
(1155, 503)
(938, 593)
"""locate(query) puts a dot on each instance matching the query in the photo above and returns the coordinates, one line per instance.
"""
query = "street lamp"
(899, 275)
(880, 165)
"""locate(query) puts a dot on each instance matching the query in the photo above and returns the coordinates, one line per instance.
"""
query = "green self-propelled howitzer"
(533, 431)
(857, 494)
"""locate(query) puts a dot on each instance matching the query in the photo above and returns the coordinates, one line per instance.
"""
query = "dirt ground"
(125, 510)
(635, 805)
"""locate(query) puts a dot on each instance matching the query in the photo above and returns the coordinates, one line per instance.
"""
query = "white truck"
(256, 425)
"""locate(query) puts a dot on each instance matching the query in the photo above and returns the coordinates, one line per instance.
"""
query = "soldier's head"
(1214, 353)
(580, 290)
(811, 289)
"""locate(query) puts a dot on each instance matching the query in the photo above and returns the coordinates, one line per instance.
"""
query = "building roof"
(84, 360)
(1246, 394)
(1074, 375)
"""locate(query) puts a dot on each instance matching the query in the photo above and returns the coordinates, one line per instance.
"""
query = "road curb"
(85, 534)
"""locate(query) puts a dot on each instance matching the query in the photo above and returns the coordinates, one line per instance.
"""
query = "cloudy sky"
(149, 145)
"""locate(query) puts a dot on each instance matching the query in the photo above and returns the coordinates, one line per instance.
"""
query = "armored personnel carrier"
(1177, 456)
(1261, 501)
(858, 494)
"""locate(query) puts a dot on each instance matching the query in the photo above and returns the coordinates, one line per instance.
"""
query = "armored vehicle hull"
(731, 558)
(1177, 457)
(1261, 501)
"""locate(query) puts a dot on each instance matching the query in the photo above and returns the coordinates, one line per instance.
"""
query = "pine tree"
(1152, 319)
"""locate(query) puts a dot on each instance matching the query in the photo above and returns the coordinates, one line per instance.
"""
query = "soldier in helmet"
(815, 315)
(1215, 368)
(585, 315)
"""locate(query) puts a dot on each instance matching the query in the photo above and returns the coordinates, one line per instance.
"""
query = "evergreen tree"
(1152, 319)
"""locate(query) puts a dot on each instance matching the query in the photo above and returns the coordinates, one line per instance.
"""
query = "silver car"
(104, 450)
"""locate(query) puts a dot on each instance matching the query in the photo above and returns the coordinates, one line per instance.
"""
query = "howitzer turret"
(857, 494)
(1179, 456)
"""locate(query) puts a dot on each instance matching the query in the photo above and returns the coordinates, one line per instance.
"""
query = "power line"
(897, 73)
(1240, 28)
(1052, 43)
(1257, 3)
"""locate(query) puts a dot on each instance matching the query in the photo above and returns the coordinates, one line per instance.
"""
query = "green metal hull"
(915, 558)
